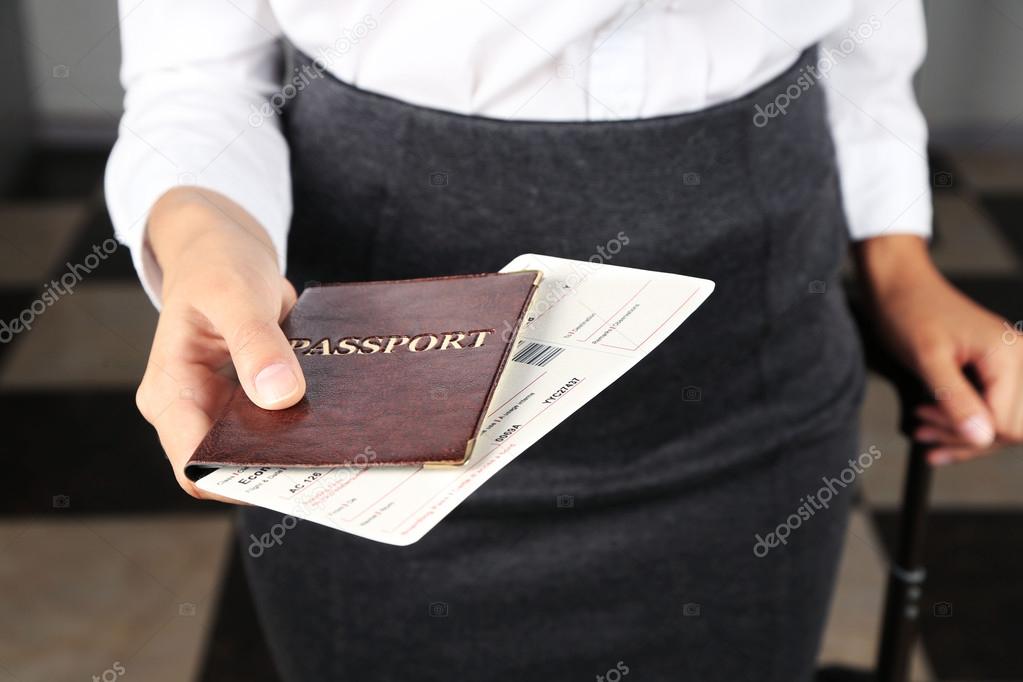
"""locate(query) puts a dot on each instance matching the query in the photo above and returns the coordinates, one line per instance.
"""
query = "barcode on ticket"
(538, 354)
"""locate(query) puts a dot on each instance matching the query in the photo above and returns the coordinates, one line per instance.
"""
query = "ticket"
(588, 324)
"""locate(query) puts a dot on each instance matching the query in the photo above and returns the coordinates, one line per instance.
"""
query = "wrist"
(888, 265)
(190, 225)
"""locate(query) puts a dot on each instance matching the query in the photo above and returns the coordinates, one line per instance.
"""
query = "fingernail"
(978, 430)
(939, 458)
(275, 382)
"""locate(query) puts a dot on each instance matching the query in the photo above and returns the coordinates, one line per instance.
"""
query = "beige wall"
(72, 52)
(972, 80)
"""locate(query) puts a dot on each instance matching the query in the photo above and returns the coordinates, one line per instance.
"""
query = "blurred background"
(108, 570)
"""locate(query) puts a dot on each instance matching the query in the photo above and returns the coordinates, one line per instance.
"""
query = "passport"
(589, 324)
(397, 372)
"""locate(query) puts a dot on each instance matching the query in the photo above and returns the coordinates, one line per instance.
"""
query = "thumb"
(958, 399)
(267, 367)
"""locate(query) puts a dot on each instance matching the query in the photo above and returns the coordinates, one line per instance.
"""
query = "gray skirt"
(651, 535)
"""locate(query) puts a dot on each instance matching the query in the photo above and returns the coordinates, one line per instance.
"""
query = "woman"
(408, 139)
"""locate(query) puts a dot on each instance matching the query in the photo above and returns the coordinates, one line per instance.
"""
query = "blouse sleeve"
(879, 132)
(202, 98)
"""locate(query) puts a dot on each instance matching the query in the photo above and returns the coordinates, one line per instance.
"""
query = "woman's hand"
(223, 298)
(937, 331)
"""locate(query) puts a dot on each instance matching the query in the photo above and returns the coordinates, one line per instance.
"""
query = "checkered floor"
(104, 565)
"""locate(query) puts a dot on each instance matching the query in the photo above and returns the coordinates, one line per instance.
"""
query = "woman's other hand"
(938, 332)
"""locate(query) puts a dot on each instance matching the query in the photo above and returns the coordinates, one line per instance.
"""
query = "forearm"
(937, 331)
(888, 264)
(902, 283)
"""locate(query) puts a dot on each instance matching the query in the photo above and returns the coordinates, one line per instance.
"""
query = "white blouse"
(204, 87)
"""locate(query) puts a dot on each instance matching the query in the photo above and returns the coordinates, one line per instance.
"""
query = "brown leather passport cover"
(397, 373)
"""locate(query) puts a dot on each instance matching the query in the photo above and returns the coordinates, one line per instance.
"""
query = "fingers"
(1002, 374)
(248, 320)
(934, 415)
(184, 387)
(949, 455)
(936, 428)
(185, 362)
(939, 436)
(962, 406)
(179, 398)
(181, 427)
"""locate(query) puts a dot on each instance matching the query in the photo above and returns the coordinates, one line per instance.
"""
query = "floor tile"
(1001, 295)
(973, 596)
(101, 594)
(851, 634)
(12, 303)
(968, 242)
(96, 231)
(92, 447)
(61, 174)
(34, 238)
(881, 484)
(1006, 210)
(241, 653)
(96, 337)
(989, 170)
